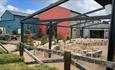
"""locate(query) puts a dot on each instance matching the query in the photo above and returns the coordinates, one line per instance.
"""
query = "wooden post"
(71, 29)
(21, 48)
(67, 60)
(111, 46)
(50, 35)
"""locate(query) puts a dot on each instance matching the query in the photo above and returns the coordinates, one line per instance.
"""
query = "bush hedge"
(10, 58)
(4, 37)
(29, 47)
(44, 40)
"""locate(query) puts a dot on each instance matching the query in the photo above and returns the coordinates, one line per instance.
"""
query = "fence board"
(50, 60)
(34, 57)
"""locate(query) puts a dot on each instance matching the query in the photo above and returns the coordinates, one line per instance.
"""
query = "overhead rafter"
(78, 18)
(93, 25)
(45, 9)
(104, 2)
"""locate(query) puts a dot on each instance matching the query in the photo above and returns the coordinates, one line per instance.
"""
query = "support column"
(111, 46)
(21, 48)
(71, 32)
(81, 33)
(50, 37)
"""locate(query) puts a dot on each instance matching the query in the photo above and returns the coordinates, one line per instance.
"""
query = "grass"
(15, 62)
(43, 67)
(2, 51)
(22, 66)
(10, 58)
(14, 66)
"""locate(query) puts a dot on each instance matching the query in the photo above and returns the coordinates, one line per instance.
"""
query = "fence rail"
(73, 57)
(83, 58)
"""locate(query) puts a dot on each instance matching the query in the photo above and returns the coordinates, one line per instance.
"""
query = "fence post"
(67, 60)
(21, 48)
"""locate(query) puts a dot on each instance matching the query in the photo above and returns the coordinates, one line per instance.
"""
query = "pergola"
(82, 17)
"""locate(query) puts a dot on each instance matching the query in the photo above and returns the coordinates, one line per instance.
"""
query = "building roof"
(104, 2)
(18, 13)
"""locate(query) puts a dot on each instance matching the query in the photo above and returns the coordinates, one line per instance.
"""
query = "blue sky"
(26, 4)
(31, 6)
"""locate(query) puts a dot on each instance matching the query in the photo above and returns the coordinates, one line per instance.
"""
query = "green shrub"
(43, 67)
(44, 40)
(29, 47)
(10, 58)
(27, 31)
(68, 38)
(14, 32)
(2, 51)
(25, 38)
(4, 37)
(1, 31)
(14, 66)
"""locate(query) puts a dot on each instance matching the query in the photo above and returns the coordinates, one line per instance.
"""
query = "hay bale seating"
(97, 53)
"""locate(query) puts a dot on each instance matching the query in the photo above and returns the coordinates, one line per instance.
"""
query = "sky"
(30, 6)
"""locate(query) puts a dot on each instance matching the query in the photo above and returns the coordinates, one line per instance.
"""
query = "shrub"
(27, 31)
(25, 38)
(2, 51)
(43, 67)
(68, 38)
(1, 31)
(44, 40)
(4, 37)
(14, 32)
(10, 58)
(29, 47)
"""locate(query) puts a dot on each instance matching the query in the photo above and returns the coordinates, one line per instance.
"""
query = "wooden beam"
(78, 65)
(33, 56)
(50, 60)
(94, 60)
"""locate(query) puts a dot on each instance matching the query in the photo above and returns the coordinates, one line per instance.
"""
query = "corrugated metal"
(18, 13)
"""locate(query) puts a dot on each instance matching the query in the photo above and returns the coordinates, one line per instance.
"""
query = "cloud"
(78, 5)
(2, 4)
(30, 11)
(83, 6)
(10, 7)
(75, 5)
(46, 1)
(13, 8)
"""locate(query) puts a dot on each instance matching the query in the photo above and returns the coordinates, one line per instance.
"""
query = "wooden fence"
(68, 58)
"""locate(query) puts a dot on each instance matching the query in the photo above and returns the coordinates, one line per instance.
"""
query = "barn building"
(10, 20)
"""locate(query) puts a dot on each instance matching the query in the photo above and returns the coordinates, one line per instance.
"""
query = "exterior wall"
(10, 25)
(106, 33)
(76, 32)
(86, 32)
(10, 22)
(7, 16)
(57, 12)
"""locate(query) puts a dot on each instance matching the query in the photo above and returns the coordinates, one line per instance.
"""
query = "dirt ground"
(60, 66)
